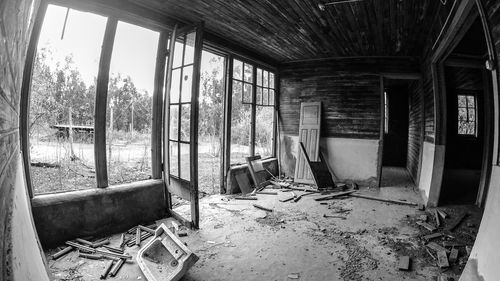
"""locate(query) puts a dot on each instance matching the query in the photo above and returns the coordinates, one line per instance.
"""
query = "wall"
(349, 90)
(415, 128)
(64, 216)
(21, 257)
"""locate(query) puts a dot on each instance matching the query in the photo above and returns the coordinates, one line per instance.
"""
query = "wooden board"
(453, 255)
(442, 259)
(243, 182)
(404, 263)
(257, 171)
(436, 247)
(432, 236)
(309, 134)
(320, 172)
(426, 225)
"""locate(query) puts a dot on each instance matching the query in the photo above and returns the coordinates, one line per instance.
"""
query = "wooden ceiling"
(287, 30)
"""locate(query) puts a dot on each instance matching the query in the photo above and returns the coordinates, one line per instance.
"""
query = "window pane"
(175, 86)
(62, 98)
(462, 101)
(174, 158)
(189, 52)
(264, 131)
(271, 80)
(185, 162)
(265, 78)
(271, 97)
(174, 122)
(187, 84)
(248, 73)
(178, 51)
(259, 77)
(259, 96)
(247, 93)
(237, 69)
(237, 90)
(470, 101)
(472, 115)
(462, 114)
(185, 122)
(240, 128)
(265, 97)
(130, 94)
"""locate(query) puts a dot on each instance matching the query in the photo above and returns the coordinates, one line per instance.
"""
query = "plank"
(429, 227)
(243, 183)
(442, 214)
(453, 255)
(329, 197)
(432, 236)
(442, 259)
(436, 218)
(404, 263)
(436, 247)
(384, 200)
(262, 208)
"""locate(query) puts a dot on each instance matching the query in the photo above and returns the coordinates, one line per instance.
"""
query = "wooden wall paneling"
(102, 103)
(415, 129)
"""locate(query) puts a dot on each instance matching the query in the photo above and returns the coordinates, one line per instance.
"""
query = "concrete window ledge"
(62, 216)
(232, 185)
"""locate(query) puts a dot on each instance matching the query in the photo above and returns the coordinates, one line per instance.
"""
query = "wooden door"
(180, 145)
(309, 134)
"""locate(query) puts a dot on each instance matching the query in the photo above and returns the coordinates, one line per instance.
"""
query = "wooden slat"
(101, 104)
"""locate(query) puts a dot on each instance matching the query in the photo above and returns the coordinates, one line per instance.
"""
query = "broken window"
(467, 123)
(130, 104)
(62, 97)
(253, 93)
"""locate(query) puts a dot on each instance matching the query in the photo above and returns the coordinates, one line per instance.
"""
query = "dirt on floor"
(345, 239)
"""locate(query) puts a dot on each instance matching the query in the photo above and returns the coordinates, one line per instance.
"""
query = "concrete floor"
(239, 242)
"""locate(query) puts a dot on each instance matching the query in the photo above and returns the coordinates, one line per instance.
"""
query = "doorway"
(395, 133)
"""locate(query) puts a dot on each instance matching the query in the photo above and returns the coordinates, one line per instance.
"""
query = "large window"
(253, 100)
(467, 122)
(61, 113)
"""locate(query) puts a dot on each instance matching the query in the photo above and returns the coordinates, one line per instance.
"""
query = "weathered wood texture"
(349, 90)
(297, 29)
(415, 127)
(15, 30)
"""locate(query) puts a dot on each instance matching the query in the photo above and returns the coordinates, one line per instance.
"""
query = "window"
(467, 123)
(253, 98)
(386, 113)
(130, 104)
(62, 97)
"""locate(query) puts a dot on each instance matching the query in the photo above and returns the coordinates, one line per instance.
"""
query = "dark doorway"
(466, 83)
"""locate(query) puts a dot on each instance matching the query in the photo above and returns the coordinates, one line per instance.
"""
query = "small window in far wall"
(467, 123)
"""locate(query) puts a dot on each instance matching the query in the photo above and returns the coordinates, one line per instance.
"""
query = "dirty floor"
(236, 241)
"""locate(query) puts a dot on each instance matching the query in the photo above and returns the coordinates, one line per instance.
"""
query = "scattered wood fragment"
(280, 184)
(421, 207)
(330, 216)
(122, 241)
(457, 222)
(84, 242)
(436, 218)
(429, 227)
(262, 208)
(144, 236)
(100, 243)
(442, 214)
(92, 250)
(267, 193)
(453, 255)
(245, 198)
(304, 189)
(404, 263)
(62, 252)
(454, 244)
(443, 259)
(329, 197)
(384, 200)
(147, 229)
(436, 247)
(432, 236)
(90, 256)
(107, 270)
(293, 276)
(116, 268)
(113, 249)
(288, 199)
(138, 236)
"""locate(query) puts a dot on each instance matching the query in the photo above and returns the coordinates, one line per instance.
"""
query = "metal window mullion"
(227, 121)
(179, 113)
(254, 109)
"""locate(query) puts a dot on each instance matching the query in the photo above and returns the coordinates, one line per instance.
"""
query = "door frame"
(465, 14)
(392, 76)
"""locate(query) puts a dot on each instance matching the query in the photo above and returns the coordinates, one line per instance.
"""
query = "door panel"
(180, 119)
(309, 130)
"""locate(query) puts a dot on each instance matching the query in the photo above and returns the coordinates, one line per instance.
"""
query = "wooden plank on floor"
(436, 247)
(429, 227)
(329, 197)
(432, 236)
(453, 255)
(436, 217)
(442, 259)
(404, 263)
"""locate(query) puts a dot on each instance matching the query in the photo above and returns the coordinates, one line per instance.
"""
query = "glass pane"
(189, 52)
(472, 115)
(174, 122)
(178, 50)
(259, 96)
(211, 120)
(271, 97)
(185, 162)
(470, 101)
(130, 94)
(271, 80)
(247, 93)
(259, 77)
(265, 78)
(175, 86)
(237, 90)
(248, 73)
(174, 158)
(265, 97)
(62, 100)
(237, 69)
(240, 127)
(264, 116)
(462, 114)
(187, 84)
(462, 101)
(185, 122)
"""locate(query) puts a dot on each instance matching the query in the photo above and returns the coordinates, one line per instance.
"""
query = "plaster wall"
(431, 174)
(350, 159)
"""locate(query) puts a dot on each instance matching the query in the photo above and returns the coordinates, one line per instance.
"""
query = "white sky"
(134, 52)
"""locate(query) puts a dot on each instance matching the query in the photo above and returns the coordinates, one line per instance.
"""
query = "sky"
(134, 52)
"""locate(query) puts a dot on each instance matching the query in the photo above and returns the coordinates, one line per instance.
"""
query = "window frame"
(468, 120)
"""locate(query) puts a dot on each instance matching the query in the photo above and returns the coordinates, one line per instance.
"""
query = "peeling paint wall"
(20, 252)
